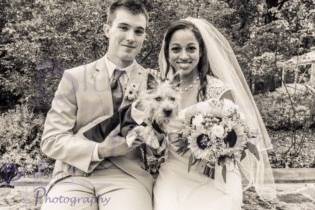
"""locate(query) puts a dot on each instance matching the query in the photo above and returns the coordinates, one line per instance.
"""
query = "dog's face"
(162, 101)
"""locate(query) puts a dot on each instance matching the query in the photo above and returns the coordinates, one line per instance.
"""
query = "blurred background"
(273, 40)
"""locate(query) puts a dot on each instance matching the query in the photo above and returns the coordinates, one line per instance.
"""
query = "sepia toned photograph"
(157, 105)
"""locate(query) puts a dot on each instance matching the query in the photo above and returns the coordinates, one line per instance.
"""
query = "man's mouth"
(129, 46)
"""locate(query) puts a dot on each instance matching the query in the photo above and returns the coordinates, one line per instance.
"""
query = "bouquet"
(213, 132)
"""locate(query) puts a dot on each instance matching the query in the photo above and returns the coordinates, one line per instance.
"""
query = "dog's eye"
(172, 98)
(158, 98)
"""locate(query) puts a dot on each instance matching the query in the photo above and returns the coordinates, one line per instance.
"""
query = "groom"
(89, 171)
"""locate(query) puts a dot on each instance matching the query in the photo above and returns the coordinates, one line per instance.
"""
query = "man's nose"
(131, 36)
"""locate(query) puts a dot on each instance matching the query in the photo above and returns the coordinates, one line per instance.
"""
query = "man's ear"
(152, 83)
(145, 36)
(106, 29)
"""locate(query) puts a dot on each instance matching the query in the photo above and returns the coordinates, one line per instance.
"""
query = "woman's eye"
(191, 49)
(158, 98)
(175, 49)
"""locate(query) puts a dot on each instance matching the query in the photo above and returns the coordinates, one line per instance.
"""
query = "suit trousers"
(104, 189)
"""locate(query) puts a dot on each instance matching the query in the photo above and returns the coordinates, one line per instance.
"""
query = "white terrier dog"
(159, 106)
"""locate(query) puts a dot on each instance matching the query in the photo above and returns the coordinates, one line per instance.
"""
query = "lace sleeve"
(216, 88)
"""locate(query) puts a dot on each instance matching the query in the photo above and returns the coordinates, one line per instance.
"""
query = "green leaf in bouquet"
(182, 150)
(192, 161)
(243, 155)
(224, 173)
(253, 149)
(209, 171)
(222, 159)
(182, 144)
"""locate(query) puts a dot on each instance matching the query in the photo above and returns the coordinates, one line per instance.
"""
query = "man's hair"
(136, 7)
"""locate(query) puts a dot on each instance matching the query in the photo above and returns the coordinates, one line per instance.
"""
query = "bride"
(202, 56)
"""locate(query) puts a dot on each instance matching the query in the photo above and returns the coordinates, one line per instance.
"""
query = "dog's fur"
(161, 101)
(160, 104)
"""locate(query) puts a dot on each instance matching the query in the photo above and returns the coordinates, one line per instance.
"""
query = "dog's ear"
(175, 81)
(152, 82)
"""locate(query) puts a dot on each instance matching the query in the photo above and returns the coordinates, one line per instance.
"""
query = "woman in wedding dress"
(202, 56)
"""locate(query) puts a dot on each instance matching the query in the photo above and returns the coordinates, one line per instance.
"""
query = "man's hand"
(113, 145)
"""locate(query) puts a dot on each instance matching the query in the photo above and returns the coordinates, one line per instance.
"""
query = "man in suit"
(105, 174)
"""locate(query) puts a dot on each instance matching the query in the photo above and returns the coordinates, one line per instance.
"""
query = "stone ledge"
(281, 175)
(294, 175)
(32, 181)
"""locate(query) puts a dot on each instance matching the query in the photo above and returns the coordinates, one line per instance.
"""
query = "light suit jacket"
(82, 100)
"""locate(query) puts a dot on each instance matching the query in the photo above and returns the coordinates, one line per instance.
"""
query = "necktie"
(117, 89)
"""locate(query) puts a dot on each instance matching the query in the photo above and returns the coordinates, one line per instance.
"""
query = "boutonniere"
(132, 91)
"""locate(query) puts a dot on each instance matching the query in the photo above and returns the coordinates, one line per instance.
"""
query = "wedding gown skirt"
(178, 189)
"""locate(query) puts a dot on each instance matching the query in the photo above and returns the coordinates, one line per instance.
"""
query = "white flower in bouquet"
(239, 129)
(197, 121)
(202, 106)
(218, 131)
(229, 108)
(228, 124)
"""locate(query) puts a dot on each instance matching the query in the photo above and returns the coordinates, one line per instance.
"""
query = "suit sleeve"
(58, 140)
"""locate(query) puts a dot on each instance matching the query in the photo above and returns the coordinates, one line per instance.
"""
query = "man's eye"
(139, 32)
(158, 98)
(123, 28)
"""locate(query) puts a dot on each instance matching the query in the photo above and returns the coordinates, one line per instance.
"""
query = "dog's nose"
(167, 112)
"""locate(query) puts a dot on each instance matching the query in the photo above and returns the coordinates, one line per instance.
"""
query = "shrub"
(20, 134)
(293, 149)
(42, 38)
(284, 110)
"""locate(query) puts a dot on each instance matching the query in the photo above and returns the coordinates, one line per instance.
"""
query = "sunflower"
(199, 144)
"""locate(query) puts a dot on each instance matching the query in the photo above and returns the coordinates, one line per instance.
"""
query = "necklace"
(189, 87)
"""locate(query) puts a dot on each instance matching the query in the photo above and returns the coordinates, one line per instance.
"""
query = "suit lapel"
(102, 84)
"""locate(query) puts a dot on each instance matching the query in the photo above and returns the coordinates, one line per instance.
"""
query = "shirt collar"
(111, 67)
